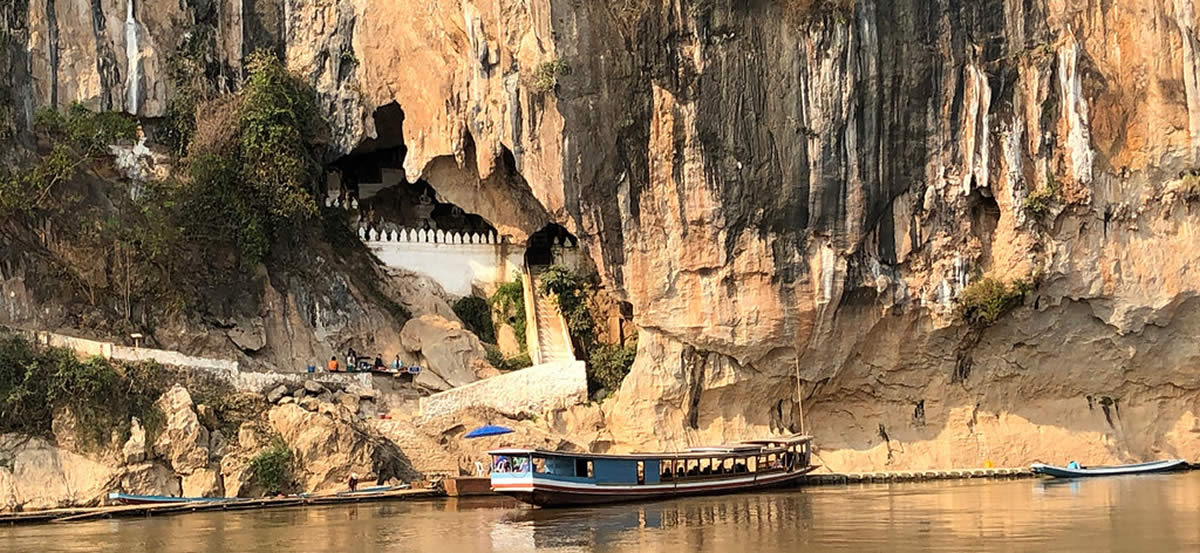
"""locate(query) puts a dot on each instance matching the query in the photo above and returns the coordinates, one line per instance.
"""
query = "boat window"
(641, 472)
(539, 465)
(583, 468)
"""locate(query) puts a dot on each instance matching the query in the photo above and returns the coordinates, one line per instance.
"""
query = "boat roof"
(752, 447)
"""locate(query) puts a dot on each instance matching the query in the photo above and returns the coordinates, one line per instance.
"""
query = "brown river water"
(1142, 514)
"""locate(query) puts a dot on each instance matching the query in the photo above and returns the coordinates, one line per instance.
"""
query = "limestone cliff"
(797, 187)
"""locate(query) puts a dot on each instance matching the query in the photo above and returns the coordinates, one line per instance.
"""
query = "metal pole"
(800, 394)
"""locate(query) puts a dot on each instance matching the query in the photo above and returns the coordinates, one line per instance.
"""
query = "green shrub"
(508, 304)
(87, 131)
(36, 381)
(1039, 201)
(609, 364)
(477, 316)
(570, 293)
(545, 78)
(984, 301)
(272, 468)
(498, 360)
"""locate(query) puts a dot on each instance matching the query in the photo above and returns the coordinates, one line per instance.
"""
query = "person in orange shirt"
(333, 364)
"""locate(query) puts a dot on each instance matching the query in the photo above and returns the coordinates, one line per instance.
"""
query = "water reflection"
(1148, 513)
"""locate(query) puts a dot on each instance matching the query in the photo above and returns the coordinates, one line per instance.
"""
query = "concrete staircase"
(553, 340)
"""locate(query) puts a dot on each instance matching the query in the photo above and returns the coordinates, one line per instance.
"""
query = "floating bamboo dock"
(917, 475)
(164, 509)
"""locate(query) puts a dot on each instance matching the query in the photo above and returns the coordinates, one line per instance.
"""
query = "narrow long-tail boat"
(1077, 471)
(554, 478)
(131, 499)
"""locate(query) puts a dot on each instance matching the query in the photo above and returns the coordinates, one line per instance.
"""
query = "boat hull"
(1082, 472)
(130, 499)
(547, 493)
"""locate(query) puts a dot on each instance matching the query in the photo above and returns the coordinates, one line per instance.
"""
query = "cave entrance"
(539, 250)
(372, 177)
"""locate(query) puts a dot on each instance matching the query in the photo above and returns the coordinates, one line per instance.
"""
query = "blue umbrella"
(488, 430)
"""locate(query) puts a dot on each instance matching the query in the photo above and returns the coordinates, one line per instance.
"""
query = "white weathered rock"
(149, 479)
(183, 441)
(205, 482)
(44, 476)
(134, 450)
(310, 403)
(277, 393)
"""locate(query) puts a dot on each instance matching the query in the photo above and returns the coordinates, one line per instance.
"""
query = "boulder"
(286, 400)
(183, 441)
(249, 437)
(277, 393)
(350, 401)
(314, 387)
(250, 335)
(149, 479)
(328, 448)
(134, 450)
(446, 347)
(205, 482)
(310, 403)
(300, 394)
(431, 382)
(235, 475)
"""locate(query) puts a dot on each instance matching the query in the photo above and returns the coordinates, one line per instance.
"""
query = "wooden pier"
(917, 475)
(163, 509)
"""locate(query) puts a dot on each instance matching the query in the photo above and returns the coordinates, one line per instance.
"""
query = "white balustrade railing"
(423, 236)
(342, 204)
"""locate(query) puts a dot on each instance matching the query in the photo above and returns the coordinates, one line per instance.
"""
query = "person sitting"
(397, 363)
(740, 467)
(333, 364)
(693, 472)
(378, 362)
(679, 472)
(666, 475)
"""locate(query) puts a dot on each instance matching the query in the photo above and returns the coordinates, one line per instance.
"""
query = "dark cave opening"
(373, 176)
(539, 251)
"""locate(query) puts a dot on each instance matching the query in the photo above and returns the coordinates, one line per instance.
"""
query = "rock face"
(183, 441)
(445, 348)
(37, 474)
(791, 195)
(331, 443)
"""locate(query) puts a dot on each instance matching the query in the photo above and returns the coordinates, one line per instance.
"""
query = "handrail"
(532, 341)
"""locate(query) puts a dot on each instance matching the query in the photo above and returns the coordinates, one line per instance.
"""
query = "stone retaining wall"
(224, 369)
(533, 390)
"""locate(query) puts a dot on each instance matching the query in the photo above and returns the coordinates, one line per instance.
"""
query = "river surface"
(1143, 514)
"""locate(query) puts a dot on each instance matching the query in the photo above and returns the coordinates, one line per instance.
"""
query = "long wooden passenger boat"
(552, 478)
